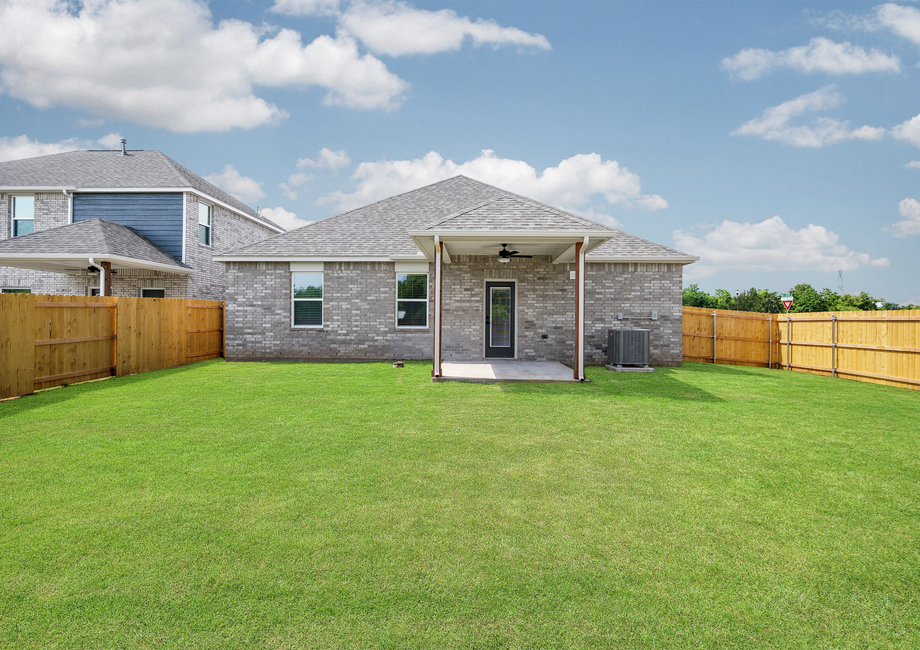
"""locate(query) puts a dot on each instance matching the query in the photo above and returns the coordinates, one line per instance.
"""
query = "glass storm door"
(500, 320)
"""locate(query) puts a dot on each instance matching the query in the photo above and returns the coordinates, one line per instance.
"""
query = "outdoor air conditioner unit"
(627, 347)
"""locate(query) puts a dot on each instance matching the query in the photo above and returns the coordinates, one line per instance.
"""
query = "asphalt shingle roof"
(513, 213)
(90, 238)
(458, 203)
(112, 170)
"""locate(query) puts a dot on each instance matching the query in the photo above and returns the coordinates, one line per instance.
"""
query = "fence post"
(769, 341)
(788, 342)
(833, 345)
(713, 338)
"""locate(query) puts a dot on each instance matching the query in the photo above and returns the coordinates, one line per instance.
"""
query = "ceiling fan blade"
(516, 255)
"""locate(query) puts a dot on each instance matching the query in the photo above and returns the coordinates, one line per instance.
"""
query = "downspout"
(69, 205)
(102, 279)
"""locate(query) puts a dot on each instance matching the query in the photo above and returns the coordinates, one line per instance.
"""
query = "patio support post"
(438, 275)
(105, 282)
(580, 310)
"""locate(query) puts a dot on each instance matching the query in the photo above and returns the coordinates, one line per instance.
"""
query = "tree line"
(805, 299)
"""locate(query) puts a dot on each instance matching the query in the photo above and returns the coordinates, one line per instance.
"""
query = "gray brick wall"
(228, 231)
(359, 306)
(635, 290)
(359, 314)
(208, 283)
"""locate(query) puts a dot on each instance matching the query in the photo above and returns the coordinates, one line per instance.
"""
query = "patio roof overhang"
(557, 244)
(76, 263)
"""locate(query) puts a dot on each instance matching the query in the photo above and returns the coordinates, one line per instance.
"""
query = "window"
(307, 292)
(411, 300)
(204, 224)
(153, 293)
(94, 291)
(15, 290)
(23, 215)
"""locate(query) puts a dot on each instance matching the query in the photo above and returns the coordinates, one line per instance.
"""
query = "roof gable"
(515, 213)
(381, 230)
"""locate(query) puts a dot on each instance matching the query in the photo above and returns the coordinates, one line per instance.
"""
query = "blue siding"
(157, 216)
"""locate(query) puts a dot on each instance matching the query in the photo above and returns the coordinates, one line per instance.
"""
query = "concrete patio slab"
(490, 372)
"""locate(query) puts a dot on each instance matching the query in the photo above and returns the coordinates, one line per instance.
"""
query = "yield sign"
(787, 300)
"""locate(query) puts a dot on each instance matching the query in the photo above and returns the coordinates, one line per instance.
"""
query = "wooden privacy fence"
(881, 347)
(48, 341)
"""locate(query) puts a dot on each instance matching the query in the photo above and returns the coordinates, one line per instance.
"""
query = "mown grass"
(233, 505)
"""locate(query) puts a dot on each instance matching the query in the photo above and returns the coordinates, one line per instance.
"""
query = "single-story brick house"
(122, 223)
(431, 274)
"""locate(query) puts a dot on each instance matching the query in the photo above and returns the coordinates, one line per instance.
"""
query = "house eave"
(632, 259)
(58, 262)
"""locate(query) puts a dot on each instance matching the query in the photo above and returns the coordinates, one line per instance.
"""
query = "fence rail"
(48, 341)
(878, 347)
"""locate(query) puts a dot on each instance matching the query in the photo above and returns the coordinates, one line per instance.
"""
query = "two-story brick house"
(122, 223)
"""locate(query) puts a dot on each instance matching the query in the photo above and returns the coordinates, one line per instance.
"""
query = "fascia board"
(633, 259)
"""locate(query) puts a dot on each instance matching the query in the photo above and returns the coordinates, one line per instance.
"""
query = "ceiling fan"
(504, 255)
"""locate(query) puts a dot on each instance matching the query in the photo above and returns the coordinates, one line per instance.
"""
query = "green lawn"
(235, 505)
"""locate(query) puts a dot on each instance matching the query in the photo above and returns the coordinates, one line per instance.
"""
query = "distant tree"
(806, 299)
(760, 300)
(696, 297)
(724, 300)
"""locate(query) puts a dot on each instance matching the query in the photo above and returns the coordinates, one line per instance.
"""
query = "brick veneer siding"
(360, 297)
(359, 314)
(635, 290)
(228, 231)
(207, 283)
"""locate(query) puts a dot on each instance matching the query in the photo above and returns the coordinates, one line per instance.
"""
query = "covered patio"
(495, 243)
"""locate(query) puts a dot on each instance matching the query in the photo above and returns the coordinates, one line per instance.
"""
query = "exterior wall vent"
(628, 347)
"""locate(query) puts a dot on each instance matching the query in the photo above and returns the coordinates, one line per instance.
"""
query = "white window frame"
(143, 289)
(321, 300)
(13, 218)
(209, 225)
(424, 300)
(97, 289)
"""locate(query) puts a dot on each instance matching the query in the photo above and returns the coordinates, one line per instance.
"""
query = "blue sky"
(779, 141)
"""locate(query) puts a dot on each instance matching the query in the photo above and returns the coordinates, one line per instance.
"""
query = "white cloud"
(285, 219)
(913, 164)
(306, 7)
(770, 245)
(242, 187)
(820, 55)
(903, 21)
(910, 210)
(111, 141)
(571, 185)
(775, 122)
(164, 63)
(909, 131)
(294, 180)
(398, 29)
(22, 147)
(327, 159)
